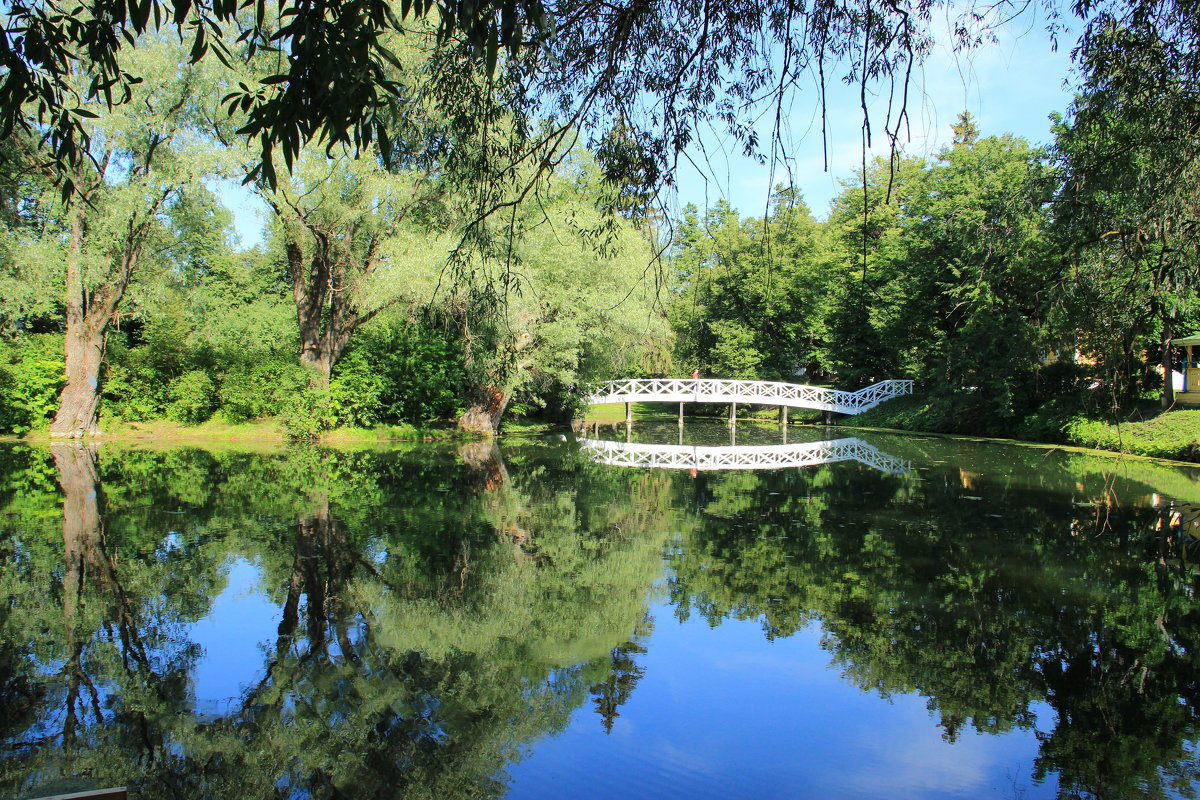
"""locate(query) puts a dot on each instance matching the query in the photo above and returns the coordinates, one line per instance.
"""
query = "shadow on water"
(434, 612)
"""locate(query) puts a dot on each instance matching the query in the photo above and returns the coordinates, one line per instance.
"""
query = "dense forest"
(432, 272)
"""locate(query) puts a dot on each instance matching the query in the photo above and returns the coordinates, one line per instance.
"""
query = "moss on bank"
(1173, 434)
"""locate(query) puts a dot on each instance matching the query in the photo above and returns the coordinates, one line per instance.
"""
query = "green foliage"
(31, 378)
(748, 294)
(307, 414)
(355, 393)
(419, 367)
(259, 388)
(192, 397)
(858, 353)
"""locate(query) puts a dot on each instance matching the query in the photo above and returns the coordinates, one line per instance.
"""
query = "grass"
(615, 412)
(264, 435)
(1149, 432)
(1171, 434)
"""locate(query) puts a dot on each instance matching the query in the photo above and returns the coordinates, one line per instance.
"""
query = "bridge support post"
(733, 413)
(629, 413)
(681, 415)
(783, 416)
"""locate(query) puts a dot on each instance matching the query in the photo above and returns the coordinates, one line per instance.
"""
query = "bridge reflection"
(780, 456)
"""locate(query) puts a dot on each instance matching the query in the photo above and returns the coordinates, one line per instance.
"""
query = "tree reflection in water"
(440, 610)
(981, 596)
(416, 652)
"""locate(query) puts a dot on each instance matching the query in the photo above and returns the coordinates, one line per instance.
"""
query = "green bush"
(263, 388)
(193, 397)
(307, 414)
(355, 393)
(131, 388)
(1052, 419)
(420, 367)
(29, 390)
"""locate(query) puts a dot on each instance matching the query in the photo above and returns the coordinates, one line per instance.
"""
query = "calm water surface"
(916, 618)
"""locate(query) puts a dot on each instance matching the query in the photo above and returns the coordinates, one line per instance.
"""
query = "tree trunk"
(79, 401)
(483, 415)
(318, 360)
(88, 316)
(326, 316)
(1168, 365)
(84, 347)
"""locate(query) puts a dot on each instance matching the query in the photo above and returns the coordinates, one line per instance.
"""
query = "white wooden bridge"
(767, 393)
(779, 456)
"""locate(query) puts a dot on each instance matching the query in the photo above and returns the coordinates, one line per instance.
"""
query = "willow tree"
(349, 235)
(660, 71)
(360, 232)
(567, 299)
(141, 157)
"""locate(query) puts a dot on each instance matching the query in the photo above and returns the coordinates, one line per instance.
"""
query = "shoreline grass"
(260, 435)
(1172, 435)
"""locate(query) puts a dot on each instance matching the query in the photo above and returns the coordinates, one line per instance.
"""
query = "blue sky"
(1011, 86)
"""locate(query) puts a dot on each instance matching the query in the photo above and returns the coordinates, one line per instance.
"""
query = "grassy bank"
(1171, 434)
(261, 434)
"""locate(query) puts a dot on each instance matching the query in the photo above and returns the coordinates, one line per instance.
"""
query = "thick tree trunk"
(88, 316)
(483, 415)
(84, 347)
(326, 317)
(318, 360)
(79, 401)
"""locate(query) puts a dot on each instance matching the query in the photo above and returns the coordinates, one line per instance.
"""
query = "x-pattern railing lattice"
(669, 456)
(717, 390)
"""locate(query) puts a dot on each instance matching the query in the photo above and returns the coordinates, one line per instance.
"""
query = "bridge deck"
(774, 393)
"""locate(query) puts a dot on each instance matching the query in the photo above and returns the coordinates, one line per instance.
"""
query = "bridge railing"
(702, 390)
(666, 456)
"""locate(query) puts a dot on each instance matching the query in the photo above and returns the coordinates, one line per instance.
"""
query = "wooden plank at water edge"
(118, 793)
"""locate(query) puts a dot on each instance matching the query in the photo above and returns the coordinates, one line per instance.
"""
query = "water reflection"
(424, 634)
(780, 456)
(428, 615)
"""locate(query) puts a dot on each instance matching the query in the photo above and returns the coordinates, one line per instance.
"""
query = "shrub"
(420, 367)
(193, 396)
(29, 392)
(131, 389)
(261, 389)
(307, 414)
(355, 394)
(1052, 420)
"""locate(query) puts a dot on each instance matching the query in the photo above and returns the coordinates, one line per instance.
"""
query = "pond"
(637, 614)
